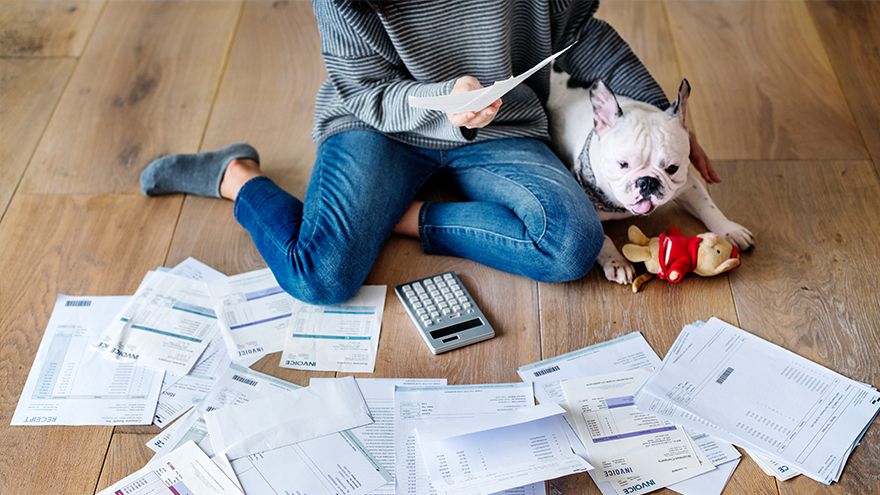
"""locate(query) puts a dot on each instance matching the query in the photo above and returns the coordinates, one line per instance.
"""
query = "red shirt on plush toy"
(678, 254)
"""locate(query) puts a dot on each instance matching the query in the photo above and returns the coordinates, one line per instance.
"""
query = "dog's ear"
(606, 110)
(678, 109)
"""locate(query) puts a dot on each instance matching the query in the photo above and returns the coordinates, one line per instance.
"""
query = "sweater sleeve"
(369, 78)
(601, 53)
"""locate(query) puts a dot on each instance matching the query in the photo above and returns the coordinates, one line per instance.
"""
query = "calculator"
(444, 312)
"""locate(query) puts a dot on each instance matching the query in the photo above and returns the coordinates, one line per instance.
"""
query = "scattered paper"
(253, 312)
(72, 384)
(474, 101)
(186, 470)
(167, 324)
(342, 337)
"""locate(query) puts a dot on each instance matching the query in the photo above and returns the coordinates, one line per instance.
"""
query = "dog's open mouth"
(643, 207)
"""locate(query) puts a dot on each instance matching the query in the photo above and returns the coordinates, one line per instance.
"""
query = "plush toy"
(672, 255)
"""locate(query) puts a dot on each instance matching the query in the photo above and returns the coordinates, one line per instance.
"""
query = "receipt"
(72, 384)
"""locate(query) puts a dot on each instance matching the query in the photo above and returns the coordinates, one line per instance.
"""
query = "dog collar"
(583, 173)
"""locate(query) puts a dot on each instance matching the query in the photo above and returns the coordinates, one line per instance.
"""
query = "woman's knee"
(569, 250)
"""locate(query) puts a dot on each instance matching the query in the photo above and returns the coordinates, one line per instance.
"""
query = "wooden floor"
(786, 100)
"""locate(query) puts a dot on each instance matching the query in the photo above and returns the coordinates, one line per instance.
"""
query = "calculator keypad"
(438, 297)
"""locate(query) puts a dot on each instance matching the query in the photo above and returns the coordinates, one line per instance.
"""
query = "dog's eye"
(672, 169)
(623, 164)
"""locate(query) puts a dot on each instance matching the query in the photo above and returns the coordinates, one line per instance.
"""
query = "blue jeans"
(523, 213)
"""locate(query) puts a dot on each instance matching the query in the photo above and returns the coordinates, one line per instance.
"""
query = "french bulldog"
(630, 157)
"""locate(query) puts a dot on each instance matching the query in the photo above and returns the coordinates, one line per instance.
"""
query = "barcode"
(252, 383)
(210, 408)
(546, 371)
(724, 376)
(78, 303)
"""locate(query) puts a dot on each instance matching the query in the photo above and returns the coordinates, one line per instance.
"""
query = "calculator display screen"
(465, 325)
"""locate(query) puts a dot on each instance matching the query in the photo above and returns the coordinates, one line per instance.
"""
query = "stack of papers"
(578, 380)
(724, 381)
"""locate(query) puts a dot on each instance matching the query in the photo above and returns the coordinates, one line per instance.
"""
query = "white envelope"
(288, 417)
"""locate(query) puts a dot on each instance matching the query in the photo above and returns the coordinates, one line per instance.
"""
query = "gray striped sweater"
(420, 47)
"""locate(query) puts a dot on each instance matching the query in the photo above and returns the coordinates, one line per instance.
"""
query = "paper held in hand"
(474, 101)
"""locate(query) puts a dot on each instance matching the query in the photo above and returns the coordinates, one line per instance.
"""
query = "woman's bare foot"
(239, 171)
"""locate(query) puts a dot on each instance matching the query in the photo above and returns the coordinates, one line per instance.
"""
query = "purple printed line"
(250, 296)
(633, 434)
(620, 402)
(261, 321)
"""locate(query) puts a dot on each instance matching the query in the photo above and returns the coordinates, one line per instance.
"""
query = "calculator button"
(466, 305)
(435, 293)
(428, 323)
(438, 278)
(446, 311)
(417, 304)
(418, 288)
(456, 308)
(434, 314)
(424, 297)
(459, 293)
(425, 317)
(450, 297)
(414, 299)
(444, 290)
(422, 311)
(462, 299)
(448, 276)
(431, 307)
(454, 286)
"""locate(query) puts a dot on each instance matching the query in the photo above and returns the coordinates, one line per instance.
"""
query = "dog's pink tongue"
(642, 207)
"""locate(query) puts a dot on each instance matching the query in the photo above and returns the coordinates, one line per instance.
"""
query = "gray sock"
(197, 173)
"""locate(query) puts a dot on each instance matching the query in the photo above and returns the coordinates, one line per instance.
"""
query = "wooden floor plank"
(29, 91)
(78, 245)
(849, 33)
(767, 89)
(46, 28)
(142, 88)
(127, 454)
(645, 27)
(809, 286)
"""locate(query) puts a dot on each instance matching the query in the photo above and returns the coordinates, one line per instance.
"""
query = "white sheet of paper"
(711, 483)
(253, 312)
(344, 337)
(286, 418)
(72, 384)
(186, 470)
(329, 465)
(420, 406)
(474, 101)
(625, 353)
(498, 451)
(773, 467)
(621, 440)
(771, 399)
(194, 269)
(167, 324)
(378, 437)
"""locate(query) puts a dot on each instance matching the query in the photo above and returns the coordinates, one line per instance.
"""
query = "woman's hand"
(472, 120)
(701, 161)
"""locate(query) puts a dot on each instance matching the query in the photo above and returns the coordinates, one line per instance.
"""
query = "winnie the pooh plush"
(672, 255)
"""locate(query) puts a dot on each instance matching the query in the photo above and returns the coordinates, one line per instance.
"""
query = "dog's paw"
(618, 269)
(738, 235)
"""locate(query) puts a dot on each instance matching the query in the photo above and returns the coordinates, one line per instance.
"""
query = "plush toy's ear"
(636, 236)
(726, 266)
(678, 109)
(636, 253)
(606, 110)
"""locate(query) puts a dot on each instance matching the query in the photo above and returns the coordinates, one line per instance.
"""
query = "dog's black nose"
(647, 185)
